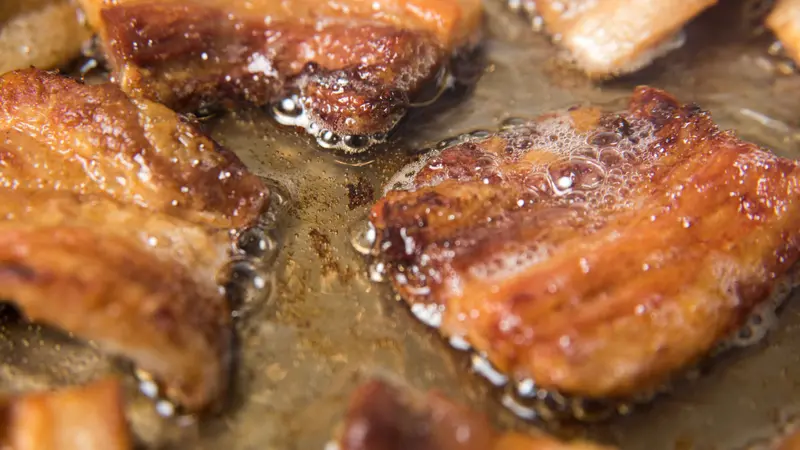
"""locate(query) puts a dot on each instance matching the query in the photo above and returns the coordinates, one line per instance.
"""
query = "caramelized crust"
(139, 284)
(39, 33)
(784, 21)
(355, 64)
(610, 37)
(114, 225)
(383, 417)
(595, 254)
(61, 135)
(78, 418)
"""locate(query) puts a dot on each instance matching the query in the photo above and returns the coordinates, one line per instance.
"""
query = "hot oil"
(325, 325)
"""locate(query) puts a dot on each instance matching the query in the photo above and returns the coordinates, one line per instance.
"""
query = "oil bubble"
(603, 139)
(363, 237)
(577, 173)
(248, 284)
(257, 243)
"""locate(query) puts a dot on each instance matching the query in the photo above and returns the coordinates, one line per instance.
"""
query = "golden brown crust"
(78, 418)
(627, 252)
(355, 68)
(115, 225)
(139, 284)
(94, 139)
(384, 417)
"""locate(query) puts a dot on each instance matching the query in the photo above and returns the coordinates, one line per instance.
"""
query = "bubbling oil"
(247, 281)
(763, 318)
(591, 171)
(154, 390)
(291, 112)
(250, 274)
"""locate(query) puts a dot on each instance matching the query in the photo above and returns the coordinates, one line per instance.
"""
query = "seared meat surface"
(593, 253)
(77, 418)
(62, 135)
(784, 21)
(385, 417)
(139, 284)
(607, 38)
(114, 224)
(345, 70)
(39, 33)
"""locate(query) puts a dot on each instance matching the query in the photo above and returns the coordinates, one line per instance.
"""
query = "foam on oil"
(293, 111)
(247, 281)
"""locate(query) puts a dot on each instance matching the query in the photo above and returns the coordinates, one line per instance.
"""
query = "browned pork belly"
(114, 223)
(96, 140)
(595, 254)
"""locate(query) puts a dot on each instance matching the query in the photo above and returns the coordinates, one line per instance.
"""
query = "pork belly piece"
(594, 254)
(384, 417)
(87, 417)
(607, 38)
(62, 135)
(138, 284)
(346, 71)
(115, 220)
(39, 33)
(784, 21)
